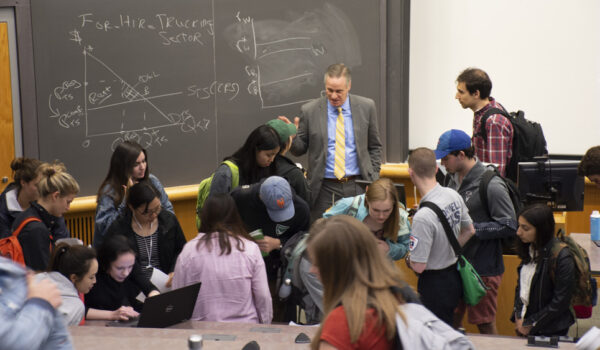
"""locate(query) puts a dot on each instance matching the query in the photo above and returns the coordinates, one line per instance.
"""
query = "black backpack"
(528, 139)
(508, 244)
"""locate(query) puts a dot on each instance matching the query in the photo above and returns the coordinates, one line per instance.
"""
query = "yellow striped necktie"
(339, 169)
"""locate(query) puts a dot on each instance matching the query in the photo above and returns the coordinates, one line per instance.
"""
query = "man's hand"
(44, 289)
(296, 122)
(268, 244)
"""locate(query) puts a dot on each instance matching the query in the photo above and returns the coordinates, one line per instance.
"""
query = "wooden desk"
(221, 335)
(583, 239)
(500, 342)
(217, 335)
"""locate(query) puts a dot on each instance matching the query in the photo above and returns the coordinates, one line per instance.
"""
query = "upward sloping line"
(142, 98)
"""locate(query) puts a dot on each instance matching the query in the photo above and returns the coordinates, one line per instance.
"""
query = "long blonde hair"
(382, 190)
(354, 274)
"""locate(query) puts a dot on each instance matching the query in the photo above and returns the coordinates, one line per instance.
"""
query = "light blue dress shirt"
(351, 156)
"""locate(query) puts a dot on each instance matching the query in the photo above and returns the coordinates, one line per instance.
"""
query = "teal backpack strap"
(353, 209)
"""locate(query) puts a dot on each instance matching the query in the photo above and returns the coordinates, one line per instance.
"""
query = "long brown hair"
(354, 274)
(220, 217)
(382, 190)
(122, 163)
(539, 216)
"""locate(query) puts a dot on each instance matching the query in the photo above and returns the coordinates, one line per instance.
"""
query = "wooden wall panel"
(7, 138)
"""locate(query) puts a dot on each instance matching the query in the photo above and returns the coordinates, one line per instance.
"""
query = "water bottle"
(285, 289)
(595, 225)
(195, 342)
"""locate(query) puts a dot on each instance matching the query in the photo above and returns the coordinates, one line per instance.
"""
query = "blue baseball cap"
(276, 194)
(450, 141)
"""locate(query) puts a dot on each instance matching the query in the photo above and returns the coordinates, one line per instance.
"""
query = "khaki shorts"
(485, 311)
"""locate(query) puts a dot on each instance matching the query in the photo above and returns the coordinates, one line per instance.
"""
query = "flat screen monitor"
(554, 182)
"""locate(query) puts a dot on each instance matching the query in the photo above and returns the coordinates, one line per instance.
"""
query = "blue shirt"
(351, 156)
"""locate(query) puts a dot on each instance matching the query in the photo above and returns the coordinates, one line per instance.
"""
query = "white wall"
(543, 57)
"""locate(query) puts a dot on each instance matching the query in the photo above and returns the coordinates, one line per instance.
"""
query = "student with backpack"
(19, 194)
(271, 206)
(379, 209)
(542, 301)
(366, 303)
(499, 137)
(254, 160)
(473, 90)
(34, 226)
(251, 163)
(362, 290)
(494, 221)
(128, 165)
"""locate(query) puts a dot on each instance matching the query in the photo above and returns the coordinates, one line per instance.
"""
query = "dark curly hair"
(590, 163)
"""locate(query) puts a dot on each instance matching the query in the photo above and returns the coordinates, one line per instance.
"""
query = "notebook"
(165, 309)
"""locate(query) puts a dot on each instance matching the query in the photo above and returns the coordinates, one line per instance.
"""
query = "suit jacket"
(312, 137)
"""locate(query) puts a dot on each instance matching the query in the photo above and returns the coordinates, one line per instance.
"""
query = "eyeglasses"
(149, 212)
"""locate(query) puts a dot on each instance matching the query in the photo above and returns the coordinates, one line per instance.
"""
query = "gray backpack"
(423, 330)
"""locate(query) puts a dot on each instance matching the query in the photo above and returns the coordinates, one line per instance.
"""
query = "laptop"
(165, 309)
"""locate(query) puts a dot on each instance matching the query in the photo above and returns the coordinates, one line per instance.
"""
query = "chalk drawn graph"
(287, 56)
(112, 106)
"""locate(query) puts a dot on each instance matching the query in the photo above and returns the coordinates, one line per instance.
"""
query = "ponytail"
(71, 259)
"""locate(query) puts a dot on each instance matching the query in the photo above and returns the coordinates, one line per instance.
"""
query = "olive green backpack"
(204, 188)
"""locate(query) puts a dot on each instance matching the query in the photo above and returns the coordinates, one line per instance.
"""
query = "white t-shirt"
(429, 243)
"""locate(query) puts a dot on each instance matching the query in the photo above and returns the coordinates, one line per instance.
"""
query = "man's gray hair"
(337, 70)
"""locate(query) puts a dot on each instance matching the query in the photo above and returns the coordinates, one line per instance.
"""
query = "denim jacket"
(399, 248)
(107, 212)
(27, 323)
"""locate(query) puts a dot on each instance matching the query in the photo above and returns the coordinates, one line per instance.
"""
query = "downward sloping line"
(129, 86)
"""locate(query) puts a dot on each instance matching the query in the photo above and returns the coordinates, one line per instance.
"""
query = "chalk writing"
(171, 30)
(213, 89)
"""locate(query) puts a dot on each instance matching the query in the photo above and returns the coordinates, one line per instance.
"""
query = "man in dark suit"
(340, 133)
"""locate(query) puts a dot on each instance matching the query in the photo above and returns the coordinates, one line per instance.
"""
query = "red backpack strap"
(23, 223)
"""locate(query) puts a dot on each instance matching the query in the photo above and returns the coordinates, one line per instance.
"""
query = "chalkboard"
(187, 79)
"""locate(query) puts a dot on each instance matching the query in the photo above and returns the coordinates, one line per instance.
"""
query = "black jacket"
(254, 215)
(287, 169)
(35, 237)
(170, 237)
(549, 300)
(8, 216)
(492, 224)
(108, 294)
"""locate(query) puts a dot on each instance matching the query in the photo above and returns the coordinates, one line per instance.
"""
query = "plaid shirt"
(498, 149)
